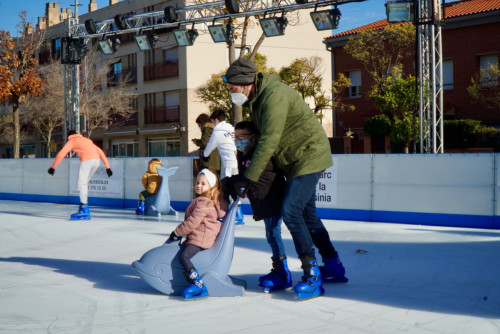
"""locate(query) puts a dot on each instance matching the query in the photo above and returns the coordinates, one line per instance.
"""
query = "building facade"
(165, 79)
(470, 41)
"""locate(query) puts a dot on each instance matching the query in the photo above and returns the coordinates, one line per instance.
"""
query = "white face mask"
(239, 98)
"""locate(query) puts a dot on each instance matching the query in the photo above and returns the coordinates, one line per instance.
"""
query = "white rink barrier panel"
(458, 190)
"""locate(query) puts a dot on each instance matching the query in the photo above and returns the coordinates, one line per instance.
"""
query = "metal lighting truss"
(200, 13)
(429, 20)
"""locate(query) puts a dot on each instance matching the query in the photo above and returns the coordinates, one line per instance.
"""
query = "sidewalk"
(61, 276)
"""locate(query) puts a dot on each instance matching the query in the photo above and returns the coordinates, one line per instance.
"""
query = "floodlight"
(219, 33)
(185, 37)
(399, 11)
(273, 26)
(90, 26)
(232, 6)
(109, 46)
(120, 22)
(170, 14)
(326, 19)
(146, 42)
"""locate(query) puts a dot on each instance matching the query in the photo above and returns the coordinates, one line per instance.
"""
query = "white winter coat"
(223, 139)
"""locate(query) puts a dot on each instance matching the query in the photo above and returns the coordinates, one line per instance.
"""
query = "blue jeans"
(273, 235)
(299, 214)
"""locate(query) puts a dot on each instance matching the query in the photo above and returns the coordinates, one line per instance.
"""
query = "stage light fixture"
(90, 26)
(185, 37)
(109, 46)
(170, 14)
(399, 11)
(326, 19)
(71, 50)
(219, 33)
(120, 22)
(273, 26)
(146, 41)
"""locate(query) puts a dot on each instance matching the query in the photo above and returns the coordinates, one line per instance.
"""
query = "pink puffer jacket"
(201, 224)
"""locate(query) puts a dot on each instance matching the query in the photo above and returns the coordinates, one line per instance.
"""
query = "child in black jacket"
(265, 198)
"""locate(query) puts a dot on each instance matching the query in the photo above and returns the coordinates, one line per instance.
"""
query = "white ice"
(62, 276)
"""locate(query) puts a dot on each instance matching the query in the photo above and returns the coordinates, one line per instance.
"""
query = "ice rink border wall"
(457, 190)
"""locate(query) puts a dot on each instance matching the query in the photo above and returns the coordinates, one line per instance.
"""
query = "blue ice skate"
(197, 289)
(140, 208)
(82, 214)
(310, 286)
(279, 278)
(333, 271)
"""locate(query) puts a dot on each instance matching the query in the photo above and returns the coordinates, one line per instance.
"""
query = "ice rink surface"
(62, 276)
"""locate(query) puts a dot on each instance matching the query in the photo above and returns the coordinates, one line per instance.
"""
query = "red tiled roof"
(452, 9)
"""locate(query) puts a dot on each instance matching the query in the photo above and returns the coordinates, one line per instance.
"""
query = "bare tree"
(46, 112)
(103, 98)
(18, 71)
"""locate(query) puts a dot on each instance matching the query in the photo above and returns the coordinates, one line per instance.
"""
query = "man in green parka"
(293, 138)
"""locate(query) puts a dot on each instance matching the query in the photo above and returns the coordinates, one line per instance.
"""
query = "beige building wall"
(196, 64)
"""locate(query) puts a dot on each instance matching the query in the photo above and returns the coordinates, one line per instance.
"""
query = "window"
(355, 88)
(447, 74)
(117, 72)
(125, 149)
(171, 99)
(171, 55)
(489, 77)
(163, 147)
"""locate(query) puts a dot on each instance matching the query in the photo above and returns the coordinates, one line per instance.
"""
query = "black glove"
(227, 189)
(174, 237)
(51, 171)
(206, 158)
(239, 185)
(109, 172)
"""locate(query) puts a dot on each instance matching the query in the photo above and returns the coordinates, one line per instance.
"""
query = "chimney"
(92, 6)
(42, 23)
(112, 2)
(28, 29)
(52, 13)
(65, 13)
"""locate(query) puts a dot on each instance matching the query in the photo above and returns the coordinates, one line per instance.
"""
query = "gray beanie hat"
(241, 72)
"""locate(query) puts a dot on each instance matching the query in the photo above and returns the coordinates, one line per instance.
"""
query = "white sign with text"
(326, 190)
(100, 185)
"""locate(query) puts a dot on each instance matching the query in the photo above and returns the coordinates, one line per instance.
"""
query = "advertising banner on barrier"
(326, 190)
(100, 185)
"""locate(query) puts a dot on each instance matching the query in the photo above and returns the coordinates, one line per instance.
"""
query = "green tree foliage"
(485, 87)
(378, 125)
(381, 52)
(305, 75)
(215, 93)
(340, 84)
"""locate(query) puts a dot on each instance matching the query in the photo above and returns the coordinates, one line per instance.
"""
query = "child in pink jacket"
(201, 226)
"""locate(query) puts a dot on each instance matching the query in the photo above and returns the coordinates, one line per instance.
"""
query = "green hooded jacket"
(290, 133)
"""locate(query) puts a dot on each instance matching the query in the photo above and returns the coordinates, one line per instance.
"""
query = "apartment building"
(166, 78)
(470, 41)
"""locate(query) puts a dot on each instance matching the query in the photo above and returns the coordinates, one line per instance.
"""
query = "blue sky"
(353, 14)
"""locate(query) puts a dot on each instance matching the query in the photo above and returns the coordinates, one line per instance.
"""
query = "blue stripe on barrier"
(434, 219)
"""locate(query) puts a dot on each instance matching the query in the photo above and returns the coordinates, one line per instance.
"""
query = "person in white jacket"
(222, 138)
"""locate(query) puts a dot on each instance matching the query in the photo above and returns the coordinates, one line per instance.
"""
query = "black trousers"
(187, 253)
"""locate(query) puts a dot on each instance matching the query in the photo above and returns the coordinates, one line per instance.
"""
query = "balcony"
(120, 120)
(162, 115)
(115, 79)
(161, 71)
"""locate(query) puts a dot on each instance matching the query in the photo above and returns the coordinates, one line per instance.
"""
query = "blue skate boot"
(333, 271)
(310, 286)
(239, 217)
(140, 208)
(82, 214)
(279, 278)
(197, 289)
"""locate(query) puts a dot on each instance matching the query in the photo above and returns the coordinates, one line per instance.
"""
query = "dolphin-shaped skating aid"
(160, 266)
(159, 203)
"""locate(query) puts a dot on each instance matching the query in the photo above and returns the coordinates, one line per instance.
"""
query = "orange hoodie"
(85, 149)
